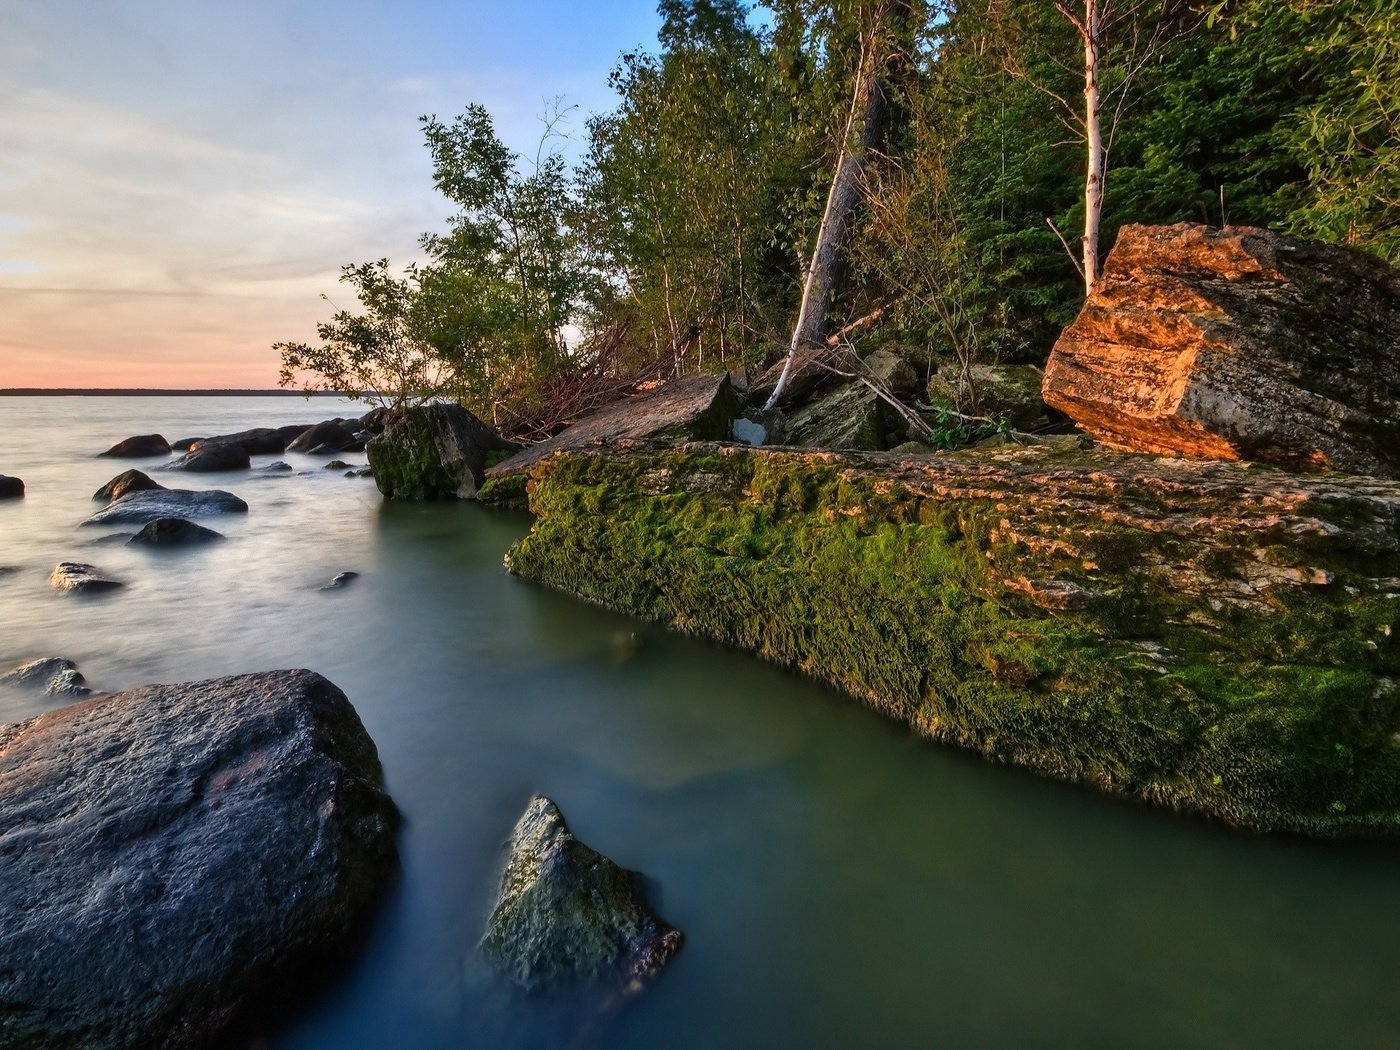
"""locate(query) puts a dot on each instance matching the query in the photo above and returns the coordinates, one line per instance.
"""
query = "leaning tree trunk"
(862, 130)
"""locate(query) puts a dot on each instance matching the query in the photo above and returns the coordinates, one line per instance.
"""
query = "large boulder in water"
(175, 855)
(566, 912)
(327, 437)
(126, 481)
(206, 457)
(432, 452)
(694, 408)
(1237, 344)
(256, 442)
(11, 488)
(139, 447)
(137, 508)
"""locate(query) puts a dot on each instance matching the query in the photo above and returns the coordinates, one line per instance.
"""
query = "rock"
(1000, 600)
(363, 472)
(126, 481)
(208, 457)
(1009, 392)
(206, 847)
(337, 464)
(293, 431)
(80, 577)
(277, 467)
(339, 580)
(174, 532)
(137, 508)
(376, 420)
(11, 488)
(433, 451)
(1237, 344)
(139, 447)
(698, 408)
(324, 439)
(185, 444)
(893, 371)
(749, 432)
(849, 417)
(259, 441)
(566, 912)
(808, 374)
(53, 675)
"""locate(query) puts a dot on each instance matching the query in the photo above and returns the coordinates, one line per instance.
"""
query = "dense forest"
(977, 142)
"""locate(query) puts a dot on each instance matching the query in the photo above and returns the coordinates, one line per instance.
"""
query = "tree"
(381, 353)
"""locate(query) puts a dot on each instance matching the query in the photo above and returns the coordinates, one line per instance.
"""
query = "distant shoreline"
(35, 391)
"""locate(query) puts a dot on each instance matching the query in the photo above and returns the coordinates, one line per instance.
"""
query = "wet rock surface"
(325, 438)
(209, 456)
(565, 912)
(1237, 344)
(256, 442)
(52, 676)
(340, 580)
(174, 532)
(139, 447)
(433, 452)
(82, 578)
(137, 508)
(206, 848)
(10, 487)
(126, 481)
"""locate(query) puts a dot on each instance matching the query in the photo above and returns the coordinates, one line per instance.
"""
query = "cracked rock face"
(566, 912)
(176, 853)
(1237, 344)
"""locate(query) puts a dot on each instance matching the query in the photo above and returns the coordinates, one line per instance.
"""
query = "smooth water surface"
(840, 884)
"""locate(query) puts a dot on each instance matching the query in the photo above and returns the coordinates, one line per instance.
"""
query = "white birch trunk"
(1091, 31)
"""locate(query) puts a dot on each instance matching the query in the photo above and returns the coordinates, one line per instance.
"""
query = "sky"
(180, 182)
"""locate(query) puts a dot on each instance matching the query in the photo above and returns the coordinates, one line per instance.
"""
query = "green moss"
(1274, 714)
(508, 491)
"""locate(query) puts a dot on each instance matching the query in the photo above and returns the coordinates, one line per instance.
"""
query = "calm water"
(840, 884)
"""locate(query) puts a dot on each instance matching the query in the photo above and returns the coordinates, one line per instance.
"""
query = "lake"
(840, 883)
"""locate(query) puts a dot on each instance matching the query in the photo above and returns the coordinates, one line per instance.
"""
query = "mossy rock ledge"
(1214, 637)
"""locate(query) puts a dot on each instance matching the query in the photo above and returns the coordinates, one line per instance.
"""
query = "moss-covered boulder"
(433, 451)
(852, 416)
(1207, 636)
(1009, 392)
(566, 912)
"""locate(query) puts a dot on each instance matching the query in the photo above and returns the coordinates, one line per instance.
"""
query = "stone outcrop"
(433, 451)
(566, 912)
(137, 508)
(1210, 636)
(174, 532)
(176, 855)
(1003, 392)
(701, 407)
(139, 447)
(208, 457)
(82, 578)
(1237, 344)
(126, 481)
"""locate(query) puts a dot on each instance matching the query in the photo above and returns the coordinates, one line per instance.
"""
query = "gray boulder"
(565, 912)
(205, 848)
(325, 438)
(185, 444)
(82, 578)
(126, 481)
(1009, 392)
(208, 457)
(849, 417)
(53, 676)
(11, 488)
(137, 508)
(256, 442)
(139, 447)
(174, 532)
(433, 452)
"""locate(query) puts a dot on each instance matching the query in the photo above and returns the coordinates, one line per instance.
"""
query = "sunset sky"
(181, 181)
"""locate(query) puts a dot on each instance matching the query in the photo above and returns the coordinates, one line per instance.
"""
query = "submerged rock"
(692, 408)
(137, 508)
(208, 457)
(126, 481)
(83, 578)
(339, 580)
(139, 447)
(433, 452)
(206, 847)
(11, 488)
(174, 532)
(1004, 600)
(566, 912)
(1237, 344)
